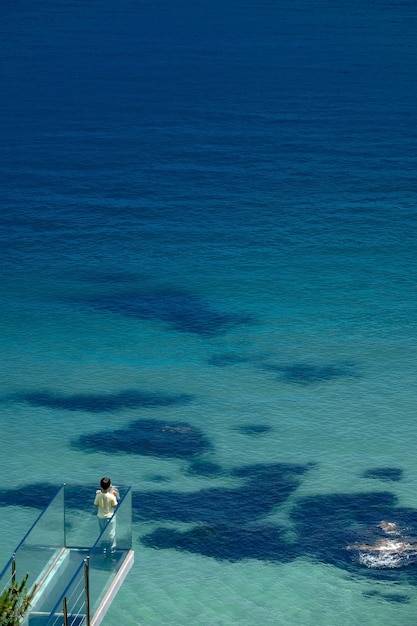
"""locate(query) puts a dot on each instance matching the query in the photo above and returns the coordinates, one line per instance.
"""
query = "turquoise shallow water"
(326, 367)
(209, 282)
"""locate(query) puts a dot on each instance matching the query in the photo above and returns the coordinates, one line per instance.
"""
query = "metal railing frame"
(11, 562)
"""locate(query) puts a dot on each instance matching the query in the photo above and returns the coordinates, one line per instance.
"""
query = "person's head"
(105, 483)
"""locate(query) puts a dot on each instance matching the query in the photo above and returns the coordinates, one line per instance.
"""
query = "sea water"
(209, 293)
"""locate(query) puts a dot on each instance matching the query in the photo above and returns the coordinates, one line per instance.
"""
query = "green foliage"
(14, 602)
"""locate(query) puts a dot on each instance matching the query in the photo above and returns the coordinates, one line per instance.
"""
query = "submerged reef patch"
(398, 598)
(204, 468)
(254, 430)
(148, 438)
(182, 311)
(226, 542)
(327, 523)
(226, 359)
(271, 474)
(37, 495)
(159, 478)
(235, 523)
(40, 495)
(332, 528)
(384, 473)
(229, 522)
(97, 403)
(266, 487)
(232, 523)
(310, 373)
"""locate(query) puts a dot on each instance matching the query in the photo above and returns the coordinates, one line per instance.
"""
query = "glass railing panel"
(102, 571)
(75, 598)
(41, 545)
(124, 521)
(81, 526)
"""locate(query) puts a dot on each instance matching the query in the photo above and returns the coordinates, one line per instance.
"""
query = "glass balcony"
(76, 567)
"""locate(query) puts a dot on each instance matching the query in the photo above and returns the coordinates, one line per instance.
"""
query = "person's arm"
(115, 492)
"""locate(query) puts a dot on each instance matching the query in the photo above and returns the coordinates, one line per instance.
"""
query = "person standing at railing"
(106, 503)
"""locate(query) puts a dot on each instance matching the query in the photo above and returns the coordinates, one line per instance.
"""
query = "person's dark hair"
(105, 483)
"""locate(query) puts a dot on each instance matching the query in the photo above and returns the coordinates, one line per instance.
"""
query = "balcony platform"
(61, 573)
(77, 573)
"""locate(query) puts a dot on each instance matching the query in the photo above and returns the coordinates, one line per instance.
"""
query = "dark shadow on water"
(112, 277)
(40, 495)
(310, 373)
(301, 373)
(233, 524)
(253, 430)
(326, 524)
(265, 487)
(229, 521)
(96, 403)
(158, 478)
(148, 438)
(271, 474)
(226, 542)
(384, 473)
(204, 468)
(226, 359)
(183, 312)
(229, 359)
(398, 598)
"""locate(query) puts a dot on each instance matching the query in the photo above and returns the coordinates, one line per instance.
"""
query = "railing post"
(65, 611)
(14, 569)
(64, 520)
(87, 591)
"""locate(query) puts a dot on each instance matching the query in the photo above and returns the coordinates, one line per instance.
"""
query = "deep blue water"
(208, 257)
